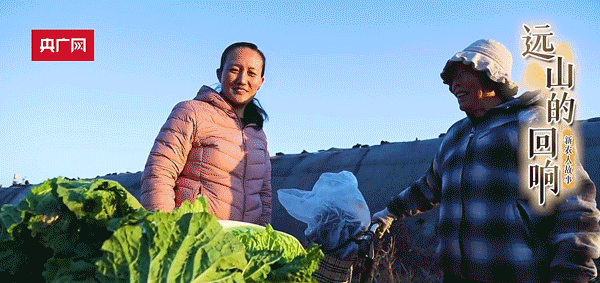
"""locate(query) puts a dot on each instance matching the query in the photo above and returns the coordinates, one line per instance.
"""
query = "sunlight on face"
(241, 76)
(468, 88)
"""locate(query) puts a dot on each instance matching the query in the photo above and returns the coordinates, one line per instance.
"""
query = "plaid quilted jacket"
(487, 229)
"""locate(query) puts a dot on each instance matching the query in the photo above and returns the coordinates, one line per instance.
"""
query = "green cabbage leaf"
(60, 224)
(187, 245)
(274, 256)
(95, 231)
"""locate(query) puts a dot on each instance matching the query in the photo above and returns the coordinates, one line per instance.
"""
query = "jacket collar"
(526, 99)
(209, 95)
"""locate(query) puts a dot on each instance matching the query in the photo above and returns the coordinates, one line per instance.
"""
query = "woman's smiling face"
(241, 76)
(467, 87)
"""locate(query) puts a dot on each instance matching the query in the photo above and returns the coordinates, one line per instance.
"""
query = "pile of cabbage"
(95, 231)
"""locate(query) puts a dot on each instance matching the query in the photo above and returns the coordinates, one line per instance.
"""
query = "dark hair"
(253, 113)
(247, 45)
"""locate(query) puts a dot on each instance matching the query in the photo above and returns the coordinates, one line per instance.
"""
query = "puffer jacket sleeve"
(167, 158)
(266, 195)
(423, 195)
(576, 235)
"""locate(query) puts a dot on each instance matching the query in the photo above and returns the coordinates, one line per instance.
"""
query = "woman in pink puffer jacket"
(214, 146)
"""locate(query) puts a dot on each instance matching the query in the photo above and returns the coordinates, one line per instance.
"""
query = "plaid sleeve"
(423, 195)
(576, 237)
(334, 270)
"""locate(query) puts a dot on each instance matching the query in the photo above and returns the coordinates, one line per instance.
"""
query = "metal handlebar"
(370, 233)
(366, 251)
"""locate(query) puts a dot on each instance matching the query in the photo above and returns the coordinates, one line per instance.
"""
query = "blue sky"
(338, 73)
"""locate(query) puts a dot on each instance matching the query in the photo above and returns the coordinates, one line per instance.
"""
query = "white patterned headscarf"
(484, 55)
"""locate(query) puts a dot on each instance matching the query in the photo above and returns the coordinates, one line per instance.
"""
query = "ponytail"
(254, 113)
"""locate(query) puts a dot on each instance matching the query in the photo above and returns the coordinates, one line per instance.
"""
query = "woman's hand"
(385, 218)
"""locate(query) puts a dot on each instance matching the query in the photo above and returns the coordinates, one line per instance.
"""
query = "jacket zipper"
(461, 230)
(245, 157)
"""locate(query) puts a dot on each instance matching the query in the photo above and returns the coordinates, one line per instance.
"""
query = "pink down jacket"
(203, 149)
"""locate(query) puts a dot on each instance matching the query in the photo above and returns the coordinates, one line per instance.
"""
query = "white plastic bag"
(335, 211)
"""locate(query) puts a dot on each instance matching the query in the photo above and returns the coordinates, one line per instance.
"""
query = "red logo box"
(62, 45)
